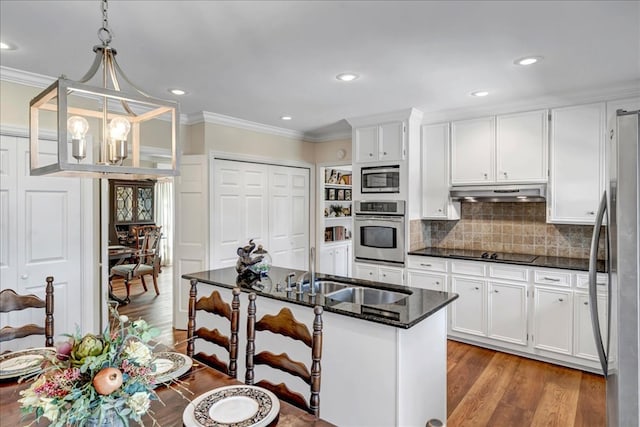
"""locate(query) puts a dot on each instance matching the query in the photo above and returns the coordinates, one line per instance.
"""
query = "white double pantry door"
(266, 203)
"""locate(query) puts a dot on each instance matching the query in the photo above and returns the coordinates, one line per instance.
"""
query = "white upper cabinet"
(473, 151)
(504, 149)
(380, 142)
(521, 147)
(436, 203)
(577, 163)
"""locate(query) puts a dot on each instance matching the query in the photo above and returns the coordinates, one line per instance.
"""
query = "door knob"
(24, 276)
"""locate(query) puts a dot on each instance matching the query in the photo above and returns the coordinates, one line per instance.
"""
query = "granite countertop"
(420, 303)
(539, 261)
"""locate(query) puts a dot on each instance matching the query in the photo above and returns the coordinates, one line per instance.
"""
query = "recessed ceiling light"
(286, 118)
(347, 77)
(528, 60)
(480, 93)
(177, 91)
(7, 46)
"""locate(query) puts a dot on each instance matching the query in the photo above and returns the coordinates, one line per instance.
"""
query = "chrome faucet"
(312, 274)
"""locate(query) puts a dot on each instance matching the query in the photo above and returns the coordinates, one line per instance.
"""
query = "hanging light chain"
(104, 33)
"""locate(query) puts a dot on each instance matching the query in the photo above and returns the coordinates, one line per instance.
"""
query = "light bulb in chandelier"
(78, 127)
(119, 128)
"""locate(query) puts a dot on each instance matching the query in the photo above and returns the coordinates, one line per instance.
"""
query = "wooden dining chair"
(147, 263)
(213, 304)
(284, 323)
(11, 301)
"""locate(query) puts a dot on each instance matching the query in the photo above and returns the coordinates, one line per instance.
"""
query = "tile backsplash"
(504, 227)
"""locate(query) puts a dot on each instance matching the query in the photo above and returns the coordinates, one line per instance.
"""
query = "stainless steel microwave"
(380, 179)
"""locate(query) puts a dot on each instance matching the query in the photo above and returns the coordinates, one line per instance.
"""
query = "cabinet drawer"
(582, 280)
(550, 277)
(509, 273)
(468, 267)
(427, 263)
(421, 279)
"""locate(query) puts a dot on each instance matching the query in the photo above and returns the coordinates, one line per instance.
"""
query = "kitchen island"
(383, 364)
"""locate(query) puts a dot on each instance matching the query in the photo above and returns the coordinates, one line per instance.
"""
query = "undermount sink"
(366, 296)
(324, 286)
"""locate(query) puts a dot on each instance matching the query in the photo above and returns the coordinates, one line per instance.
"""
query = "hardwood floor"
(485, 387)
(489, 388)
(157, 310)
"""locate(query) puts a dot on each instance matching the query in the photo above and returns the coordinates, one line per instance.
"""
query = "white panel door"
(191, 231)
(289, 216)
(239, 211)
(469, 312)
(41, 236)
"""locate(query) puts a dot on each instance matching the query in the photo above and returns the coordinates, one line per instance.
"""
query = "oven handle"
(379, 218)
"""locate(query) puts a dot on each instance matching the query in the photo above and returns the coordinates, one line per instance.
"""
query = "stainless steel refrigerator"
(618, 338)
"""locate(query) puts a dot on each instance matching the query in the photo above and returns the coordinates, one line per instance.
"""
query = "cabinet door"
(435, 173)
(326, 264)
(341, 261)
(553, 320)
(365, 271)
(468, 312)
(391, 145)
(584, 339)
(123, 207)
(577, 163)
(366, 144)
(507, 320)
(420, 279)
(144, 203)
(391, 275)
(521, 147)
(473, 151)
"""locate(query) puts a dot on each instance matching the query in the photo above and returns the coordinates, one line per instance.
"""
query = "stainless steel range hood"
(499, 193)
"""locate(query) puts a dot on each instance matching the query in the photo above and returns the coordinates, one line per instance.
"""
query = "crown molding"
(221, 119)
(26, 78)
(557, 100)
(328, 136)
(410, 114)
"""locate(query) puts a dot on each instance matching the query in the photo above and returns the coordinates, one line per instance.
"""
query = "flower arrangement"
(97, 380)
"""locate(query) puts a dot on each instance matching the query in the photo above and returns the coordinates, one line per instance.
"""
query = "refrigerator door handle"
(593, 292)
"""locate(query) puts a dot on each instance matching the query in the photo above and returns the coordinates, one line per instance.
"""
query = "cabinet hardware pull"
(495, 290)
(439, 210)
(552, 279)
(24, 276)
(504, 173)
(485, 176)
(560, 299)
(591, 213)
(585, 303)
(370, 154)
(384, 153)
(477, 288)
(425, 265)
(437, 283)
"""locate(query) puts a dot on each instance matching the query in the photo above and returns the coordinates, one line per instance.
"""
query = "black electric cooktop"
(490, 256)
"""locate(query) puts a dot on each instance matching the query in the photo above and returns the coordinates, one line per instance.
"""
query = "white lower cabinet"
(468, 312)
(378, 273)
(336, 260)
(553, 319)
(507, 320)
(584, 342)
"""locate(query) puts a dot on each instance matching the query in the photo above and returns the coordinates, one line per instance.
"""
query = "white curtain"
(164, 217)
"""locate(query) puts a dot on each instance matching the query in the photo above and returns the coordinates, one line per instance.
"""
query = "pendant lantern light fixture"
(103, 131)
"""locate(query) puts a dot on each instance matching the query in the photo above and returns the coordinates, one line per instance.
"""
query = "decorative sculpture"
(245, 260)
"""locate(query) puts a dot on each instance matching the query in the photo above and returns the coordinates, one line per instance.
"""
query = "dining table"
(173, 398)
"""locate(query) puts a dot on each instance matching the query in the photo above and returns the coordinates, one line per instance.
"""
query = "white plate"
(232, 406)
(24, 362)
(170, 365)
